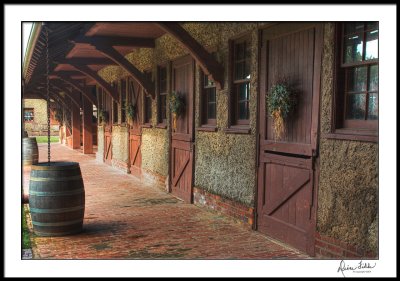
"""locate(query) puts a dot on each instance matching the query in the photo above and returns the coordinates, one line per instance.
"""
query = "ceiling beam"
(116, 41)
(136, 74)
(78, 87)
(207, 62)
(86, 61)
(64, 89)
(100, 81)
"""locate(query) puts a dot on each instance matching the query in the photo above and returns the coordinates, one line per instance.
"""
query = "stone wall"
(348, 187)
(39, 124)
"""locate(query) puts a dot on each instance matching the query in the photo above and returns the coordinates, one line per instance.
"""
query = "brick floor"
(127, 219)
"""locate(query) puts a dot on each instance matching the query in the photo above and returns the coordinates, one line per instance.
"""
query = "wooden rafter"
(206, 61)
(116, 41)
(78, 87)
(100, 81)
(86, 61)
(136, 74)
(62, 88)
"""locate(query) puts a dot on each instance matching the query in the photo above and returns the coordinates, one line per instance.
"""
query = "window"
(162, 96)
(357, 88)
(114, 106)
(123, 100)
(29, 115)
(147, 102)
(239, 99)
(208, 101)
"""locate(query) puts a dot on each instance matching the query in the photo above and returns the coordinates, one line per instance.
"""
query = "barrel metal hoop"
(42, 193)
(56, 211)
(66, 179)
(57, 223)
(55, 168)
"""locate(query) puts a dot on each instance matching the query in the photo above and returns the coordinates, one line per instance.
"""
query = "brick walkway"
(126, 219)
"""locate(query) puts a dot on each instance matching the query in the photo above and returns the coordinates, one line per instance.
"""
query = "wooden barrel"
(30, 152)
(56, 198)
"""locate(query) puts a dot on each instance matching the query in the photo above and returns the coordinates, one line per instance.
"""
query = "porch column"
(76, 132)
(87, 126)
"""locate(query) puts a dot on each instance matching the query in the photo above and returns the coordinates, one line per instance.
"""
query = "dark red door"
(135, 129)
(107, 156)
(286, 204)
(181, 180)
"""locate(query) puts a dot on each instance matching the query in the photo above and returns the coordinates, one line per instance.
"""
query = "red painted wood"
(286, 175)
(76, 132)
(87, 126)
(107, 154)
(181, 159)
(135, 91)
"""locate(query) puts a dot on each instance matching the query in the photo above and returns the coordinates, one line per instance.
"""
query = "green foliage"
(131, 111)
(280, 98)
(43, 139)
(103, 116)
(26, 242)
(176, 103)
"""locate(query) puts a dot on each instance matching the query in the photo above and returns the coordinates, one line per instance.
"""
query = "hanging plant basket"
(177, 106)
(280, 103)
(103, 117)
(131, 112)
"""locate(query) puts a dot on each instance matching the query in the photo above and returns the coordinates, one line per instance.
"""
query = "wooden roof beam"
(86, 61)
(116, 41)
(206, 61)
(63, 88)
(78, 87)
(100, 81)
(136, 74)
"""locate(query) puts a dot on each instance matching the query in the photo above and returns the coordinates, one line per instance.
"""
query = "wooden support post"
(76, 131)
(87, 126)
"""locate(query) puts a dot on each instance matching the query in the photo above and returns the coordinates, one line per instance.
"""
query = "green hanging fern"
(176, 103)
(103, 117)
(280, 102)
(131, 111)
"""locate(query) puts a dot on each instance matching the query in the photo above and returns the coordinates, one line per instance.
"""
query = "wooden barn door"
(107, 156)
(181, 179)
(135, 129)
(286, 199)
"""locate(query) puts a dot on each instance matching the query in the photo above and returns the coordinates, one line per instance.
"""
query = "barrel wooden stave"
(30, 151)
(56, 199)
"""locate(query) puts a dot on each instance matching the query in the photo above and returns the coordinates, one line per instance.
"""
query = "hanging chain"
(47, 94)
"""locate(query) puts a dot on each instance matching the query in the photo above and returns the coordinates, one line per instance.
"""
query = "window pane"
(353, 27)
(243, 111)
(240, 70)
(371, 48)
(373, 78)
(373, 107)
(355, 106)
(244, 91)
(357, 79)
(240, 51)
(208, 82)
(148, 109)
(353, 48)
(163, 107)
(372, 25)
(211, 95)
(211, 111)
(163, 80)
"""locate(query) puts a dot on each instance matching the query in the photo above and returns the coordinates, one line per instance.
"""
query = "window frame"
(162, 122)
(114, 105)
(122, 107)
(350, 129)
(147, 118)
(205, 122)
(33, 114)
(236, 125)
